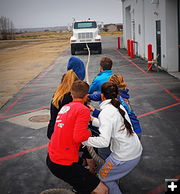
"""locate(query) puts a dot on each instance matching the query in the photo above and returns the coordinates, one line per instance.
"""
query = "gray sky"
(47, 13)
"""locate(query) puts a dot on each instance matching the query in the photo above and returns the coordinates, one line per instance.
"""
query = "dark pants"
(76, 175)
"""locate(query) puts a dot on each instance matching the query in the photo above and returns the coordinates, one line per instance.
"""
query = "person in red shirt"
(63, 149)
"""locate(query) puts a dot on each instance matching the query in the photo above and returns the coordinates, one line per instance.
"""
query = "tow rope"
(98, 160)
(87, 64)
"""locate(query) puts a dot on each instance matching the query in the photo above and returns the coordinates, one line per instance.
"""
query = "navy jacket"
(54, 112)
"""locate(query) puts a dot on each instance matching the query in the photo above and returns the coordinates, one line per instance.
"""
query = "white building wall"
(171, 36)
(139, 26)
(144, 14)
(162, 17)
(128, 23)
(150, 25)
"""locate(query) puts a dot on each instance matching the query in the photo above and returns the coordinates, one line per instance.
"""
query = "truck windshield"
(81, 25)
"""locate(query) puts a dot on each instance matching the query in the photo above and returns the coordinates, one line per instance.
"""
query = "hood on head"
(77, 66)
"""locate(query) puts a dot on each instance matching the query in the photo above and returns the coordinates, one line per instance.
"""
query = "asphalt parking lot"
(155, 98)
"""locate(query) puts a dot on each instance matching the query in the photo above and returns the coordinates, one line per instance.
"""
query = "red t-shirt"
(69, 131)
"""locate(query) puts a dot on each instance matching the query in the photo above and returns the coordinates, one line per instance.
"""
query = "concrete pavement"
(155, 97)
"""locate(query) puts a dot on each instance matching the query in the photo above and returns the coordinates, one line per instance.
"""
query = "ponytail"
(116, 104)
(110, 91)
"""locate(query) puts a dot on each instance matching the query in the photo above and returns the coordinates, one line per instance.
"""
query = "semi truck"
(85, 33)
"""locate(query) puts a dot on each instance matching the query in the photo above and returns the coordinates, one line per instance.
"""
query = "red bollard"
(149, 56)
(128, 47)
(131, 48)
(119, 42)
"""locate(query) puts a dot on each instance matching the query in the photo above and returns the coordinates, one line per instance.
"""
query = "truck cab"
(85, 32)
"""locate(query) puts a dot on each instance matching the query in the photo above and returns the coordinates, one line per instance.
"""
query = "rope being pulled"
(97, 159)
(87, 64)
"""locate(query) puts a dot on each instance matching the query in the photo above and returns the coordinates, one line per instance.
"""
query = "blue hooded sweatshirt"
(102, 77)
(77, 66)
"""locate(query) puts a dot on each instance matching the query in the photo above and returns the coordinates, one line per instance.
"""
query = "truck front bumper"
(82, 46)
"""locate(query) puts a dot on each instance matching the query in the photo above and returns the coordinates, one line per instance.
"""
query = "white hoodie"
(113, 132)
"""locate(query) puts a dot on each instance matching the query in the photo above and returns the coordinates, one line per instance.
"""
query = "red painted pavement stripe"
(41, 75)
(24, 94)
(129, 74)
(140, 87)
(20, 113)
(37, 148)
(131, 61)
(39, 89)
(124, 65)
(158, 110)
(15, 102)
(158, 189)
(22, 153)
(161, 188)
(167, 91)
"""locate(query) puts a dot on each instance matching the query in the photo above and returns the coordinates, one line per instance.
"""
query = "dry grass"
(24, 58)
(44, 35)
(56, 35)
(21, 61)
(28, 39)
(15, 43)
(111, 33)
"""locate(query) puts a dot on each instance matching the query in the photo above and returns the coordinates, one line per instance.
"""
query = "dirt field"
(21, 61)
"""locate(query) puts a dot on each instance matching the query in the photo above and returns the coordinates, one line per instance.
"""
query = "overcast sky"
(50, 13)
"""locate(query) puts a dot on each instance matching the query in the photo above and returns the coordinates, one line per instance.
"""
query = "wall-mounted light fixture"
(156, 13)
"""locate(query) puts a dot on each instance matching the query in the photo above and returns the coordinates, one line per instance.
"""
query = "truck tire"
(73, 50)
(99, 49)
(57, 191)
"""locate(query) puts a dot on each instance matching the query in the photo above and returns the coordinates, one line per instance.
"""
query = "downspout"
(143, 30)
(123, 15)
(178, 5)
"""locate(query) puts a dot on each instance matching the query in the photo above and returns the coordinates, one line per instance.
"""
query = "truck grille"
(86, 35)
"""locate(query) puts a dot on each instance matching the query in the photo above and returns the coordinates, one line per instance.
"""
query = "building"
(155, 22)
(113, 27)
